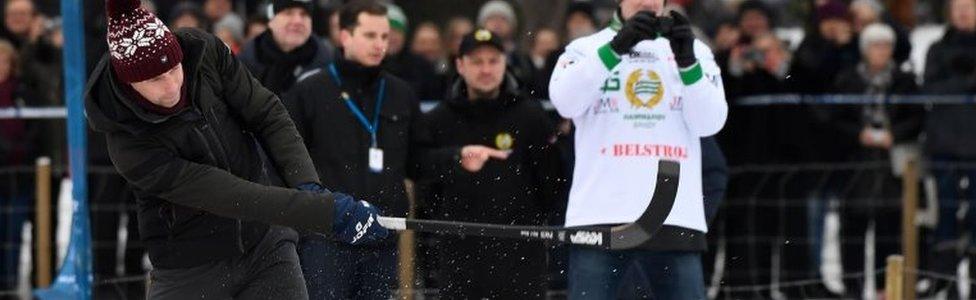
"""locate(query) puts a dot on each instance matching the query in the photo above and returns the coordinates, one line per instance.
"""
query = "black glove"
(641, 26)
(682, 40)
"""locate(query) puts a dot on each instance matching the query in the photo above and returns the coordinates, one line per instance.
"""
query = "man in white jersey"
(639, 91)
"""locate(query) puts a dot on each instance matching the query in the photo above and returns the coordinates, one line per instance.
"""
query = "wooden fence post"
(42, 215)
(895, 278)
(909, 239)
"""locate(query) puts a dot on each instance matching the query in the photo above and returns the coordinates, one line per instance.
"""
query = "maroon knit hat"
(833, 9)
(142, 47)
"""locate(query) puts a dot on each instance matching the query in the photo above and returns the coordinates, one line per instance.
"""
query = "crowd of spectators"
(764, 47)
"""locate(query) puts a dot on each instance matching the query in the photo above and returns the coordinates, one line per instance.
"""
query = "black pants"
(269, 271)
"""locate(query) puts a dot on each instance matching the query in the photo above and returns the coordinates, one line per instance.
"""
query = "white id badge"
(375, 159)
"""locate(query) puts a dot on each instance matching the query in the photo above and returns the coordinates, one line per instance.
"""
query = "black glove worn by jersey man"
(682, 40)
(642, 26)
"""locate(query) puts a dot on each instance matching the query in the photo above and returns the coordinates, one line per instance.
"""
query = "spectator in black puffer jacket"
(950, 69)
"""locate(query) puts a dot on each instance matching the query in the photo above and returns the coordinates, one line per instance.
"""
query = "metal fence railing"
(785, 230)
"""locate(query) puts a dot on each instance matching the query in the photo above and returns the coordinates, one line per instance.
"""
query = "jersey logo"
(644, 88)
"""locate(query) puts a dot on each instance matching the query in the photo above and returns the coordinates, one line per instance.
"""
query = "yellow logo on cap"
(482, 35)
(504, 141)
(644, 91)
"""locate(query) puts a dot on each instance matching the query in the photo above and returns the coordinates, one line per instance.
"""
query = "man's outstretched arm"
(153, 169)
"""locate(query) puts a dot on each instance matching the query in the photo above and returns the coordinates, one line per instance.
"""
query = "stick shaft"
(589, 236)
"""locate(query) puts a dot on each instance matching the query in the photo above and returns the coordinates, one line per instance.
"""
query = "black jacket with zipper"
(517, 190)
(339, 144)
(201, 188)
(260, 61)
(520, 190)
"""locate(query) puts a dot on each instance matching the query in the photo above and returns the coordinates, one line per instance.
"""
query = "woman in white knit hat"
(868, 132)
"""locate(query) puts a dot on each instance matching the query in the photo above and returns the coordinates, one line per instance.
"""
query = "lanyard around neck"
(373, 127)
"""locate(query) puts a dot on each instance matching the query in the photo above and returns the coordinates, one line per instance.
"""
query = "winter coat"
(950, 69)
(418, 72)
(261, 60)
(951, 57)
(19, 139)
(517, 190)
(847, 121)
(339, 144)
(534, 80)
(815, 65)
(756, 133)
(197, 173)
(869, 187)
(715, 177)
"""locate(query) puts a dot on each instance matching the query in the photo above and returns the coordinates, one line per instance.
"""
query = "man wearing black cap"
(287, 49)
(358, 122)
(492, 162)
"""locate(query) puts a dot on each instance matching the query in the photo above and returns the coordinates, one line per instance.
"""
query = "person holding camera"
(870, 133)
(638, 92)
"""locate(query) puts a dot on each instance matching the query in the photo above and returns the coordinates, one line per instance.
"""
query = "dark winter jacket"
(756, 133)
(815, 65)
(951, 57)
(903, 43)
(517, 190)
(869, 187)
(950, 69)
(278, 71)
(197, 173)
(19, 138)
(339, 144)
(847, 121)
(534, 81)
(418, 72)
(715, 177)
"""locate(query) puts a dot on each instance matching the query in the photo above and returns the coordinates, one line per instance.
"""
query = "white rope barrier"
(33, 113)
(61, 112)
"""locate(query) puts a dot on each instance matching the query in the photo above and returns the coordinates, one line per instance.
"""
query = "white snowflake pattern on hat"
(144, 36)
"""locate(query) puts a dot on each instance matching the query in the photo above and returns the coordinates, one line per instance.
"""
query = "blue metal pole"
(74, 279)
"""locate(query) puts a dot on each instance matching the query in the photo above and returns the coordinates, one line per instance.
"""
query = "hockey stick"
(623, 236)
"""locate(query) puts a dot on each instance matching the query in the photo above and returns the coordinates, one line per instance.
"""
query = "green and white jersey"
(631, 111)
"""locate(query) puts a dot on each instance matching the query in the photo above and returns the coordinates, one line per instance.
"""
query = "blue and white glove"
(355, 222)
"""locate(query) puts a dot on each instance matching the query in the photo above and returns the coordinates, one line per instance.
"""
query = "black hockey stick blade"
(631, 235)
(624, 236)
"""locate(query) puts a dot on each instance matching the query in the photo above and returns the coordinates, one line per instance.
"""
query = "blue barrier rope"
(841, 99)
